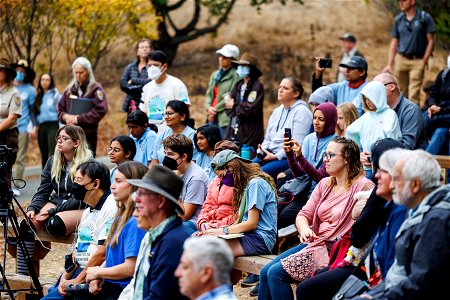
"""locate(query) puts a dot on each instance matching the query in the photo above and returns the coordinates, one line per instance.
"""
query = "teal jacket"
(226, 84)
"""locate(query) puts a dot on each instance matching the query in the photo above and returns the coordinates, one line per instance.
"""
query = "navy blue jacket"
(164, 257)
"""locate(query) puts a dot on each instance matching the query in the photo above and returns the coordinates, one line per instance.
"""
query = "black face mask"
(79, 191)
(170, 163)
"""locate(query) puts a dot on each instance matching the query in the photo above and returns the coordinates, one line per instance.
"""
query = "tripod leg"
(29, 260)
(4, 282)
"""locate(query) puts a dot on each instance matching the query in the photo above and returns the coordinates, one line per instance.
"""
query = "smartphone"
(261, 154)
(288, 133)
(326, 63)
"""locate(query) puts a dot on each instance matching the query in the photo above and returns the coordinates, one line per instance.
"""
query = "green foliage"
(81, 27)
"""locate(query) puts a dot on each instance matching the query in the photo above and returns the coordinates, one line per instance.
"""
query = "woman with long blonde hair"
(254, 205)
(53, 206)
(124, 239)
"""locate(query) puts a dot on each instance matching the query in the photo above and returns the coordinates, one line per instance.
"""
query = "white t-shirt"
(156, 96)
(94, 226)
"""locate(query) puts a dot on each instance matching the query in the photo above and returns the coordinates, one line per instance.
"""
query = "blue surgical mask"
(20, 76)
(243, 71)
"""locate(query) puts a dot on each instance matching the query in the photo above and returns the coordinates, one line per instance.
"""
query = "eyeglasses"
(329, 156)
(170, 113)
(63, 138)
(113, 149)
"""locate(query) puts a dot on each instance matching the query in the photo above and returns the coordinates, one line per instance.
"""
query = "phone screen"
(287, 133)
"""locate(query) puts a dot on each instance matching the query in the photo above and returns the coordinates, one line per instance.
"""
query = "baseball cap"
(355, 62)
(348, 37)
(229, 50)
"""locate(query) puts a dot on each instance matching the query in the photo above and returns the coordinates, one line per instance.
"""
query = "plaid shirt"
(223, 292)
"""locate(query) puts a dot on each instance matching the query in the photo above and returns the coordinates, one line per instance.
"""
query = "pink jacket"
(217, 210)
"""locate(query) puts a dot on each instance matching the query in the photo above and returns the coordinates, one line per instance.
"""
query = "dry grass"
(284, 38)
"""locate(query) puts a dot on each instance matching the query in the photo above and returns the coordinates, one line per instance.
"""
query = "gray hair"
(212, 251)
(85, 64)
(422, 165)
(390, 157)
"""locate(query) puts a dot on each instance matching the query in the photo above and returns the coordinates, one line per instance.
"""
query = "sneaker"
(251, 280)
(254, 291)
(16, 192)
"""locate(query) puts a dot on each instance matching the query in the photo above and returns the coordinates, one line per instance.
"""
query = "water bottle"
(246, 151)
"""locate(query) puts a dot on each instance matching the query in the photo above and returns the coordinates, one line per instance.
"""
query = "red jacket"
(217, 210)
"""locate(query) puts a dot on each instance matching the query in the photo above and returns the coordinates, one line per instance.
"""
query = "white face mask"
(153, 72)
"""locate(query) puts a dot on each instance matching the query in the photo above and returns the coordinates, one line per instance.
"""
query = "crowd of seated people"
(337, 168)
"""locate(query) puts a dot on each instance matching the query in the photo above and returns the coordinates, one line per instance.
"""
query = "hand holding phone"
(326, 63)
(288, 133)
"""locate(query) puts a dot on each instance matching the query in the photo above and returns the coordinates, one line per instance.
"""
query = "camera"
(77, 290)
(326, 63)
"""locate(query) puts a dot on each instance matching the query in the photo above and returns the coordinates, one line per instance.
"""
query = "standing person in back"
(46, 111)
(24, 84)
(348, 43)
(162, 89)
(84, 102)
(411, 46)
(135, 76)
(221, 82)
(245, 105)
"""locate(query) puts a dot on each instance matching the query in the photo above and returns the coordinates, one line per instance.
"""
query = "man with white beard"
(422, 244)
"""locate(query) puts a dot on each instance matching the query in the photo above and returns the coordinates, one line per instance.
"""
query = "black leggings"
(325, 284)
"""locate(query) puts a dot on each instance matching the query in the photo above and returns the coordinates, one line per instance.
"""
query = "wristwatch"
(225, 230)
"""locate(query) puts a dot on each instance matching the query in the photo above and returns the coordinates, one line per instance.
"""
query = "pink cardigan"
(217, 210)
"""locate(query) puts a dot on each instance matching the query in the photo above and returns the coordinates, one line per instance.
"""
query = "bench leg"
(235, 276)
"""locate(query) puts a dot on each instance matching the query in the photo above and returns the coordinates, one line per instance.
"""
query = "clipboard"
(79, 105)
(230, 236)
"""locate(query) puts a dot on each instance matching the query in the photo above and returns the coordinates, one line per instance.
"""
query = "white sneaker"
(16, 192)
(287, 231)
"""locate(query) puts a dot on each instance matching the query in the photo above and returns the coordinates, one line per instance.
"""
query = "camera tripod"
(7, 212)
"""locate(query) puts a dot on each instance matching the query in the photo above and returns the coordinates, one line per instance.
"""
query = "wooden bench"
(444, 162)
(252, 264)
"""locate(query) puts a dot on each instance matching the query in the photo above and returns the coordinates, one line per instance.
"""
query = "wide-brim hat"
(30, 74)
(223, 157)
(249, 59)
(163, 181)
(10, 71)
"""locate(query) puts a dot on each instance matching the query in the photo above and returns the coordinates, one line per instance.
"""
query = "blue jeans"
(274, 167)
(53, 293)
(190, 227)
(438, 141)
(274, 281)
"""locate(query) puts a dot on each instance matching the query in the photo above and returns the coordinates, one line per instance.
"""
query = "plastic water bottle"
(246, 151)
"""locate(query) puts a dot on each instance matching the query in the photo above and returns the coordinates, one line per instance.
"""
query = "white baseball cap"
(229, 50)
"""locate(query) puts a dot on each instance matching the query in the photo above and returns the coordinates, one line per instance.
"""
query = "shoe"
(254, 291)
(251, 280)
(16, 192)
